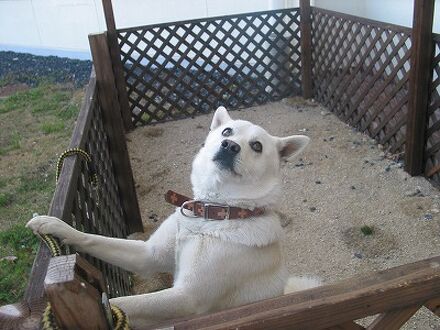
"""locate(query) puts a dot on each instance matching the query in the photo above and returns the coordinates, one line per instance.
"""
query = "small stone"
(312, 209)
(435, 211)
(303, 130)
(331, 138)
(358, 255)
(304, 200)
(353, 188)
(428, 217)
(9, 258)
(413, 193)
(284, 220)
(318, 182)
(35, 215)
(387, 169)
(153, 217)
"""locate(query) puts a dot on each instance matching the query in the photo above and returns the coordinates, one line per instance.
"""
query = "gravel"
(358, 186)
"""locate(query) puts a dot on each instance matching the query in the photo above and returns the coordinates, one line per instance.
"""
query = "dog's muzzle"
(225, 156)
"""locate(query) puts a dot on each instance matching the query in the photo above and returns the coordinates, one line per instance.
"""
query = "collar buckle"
(225, 215)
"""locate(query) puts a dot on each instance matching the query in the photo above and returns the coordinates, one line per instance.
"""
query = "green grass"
(52, 127)
(44, 98)
(13, 143)
(5, 199)
(20, 242)
(367, 230)
(34, 183)
(35, 127)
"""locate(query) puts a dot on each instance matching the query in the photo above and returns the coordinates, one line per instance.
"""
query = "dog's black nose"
(230, 146)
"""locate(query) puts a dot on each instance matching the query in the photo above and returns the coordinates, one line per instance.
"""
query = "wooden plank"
(306, 48)
(74, 289)
(419, 81)
(393, 320)
(201, 20)
(434, 306)
(327, 306)
(118, 70)
(434, 170)
(351, 325)
(113, 122)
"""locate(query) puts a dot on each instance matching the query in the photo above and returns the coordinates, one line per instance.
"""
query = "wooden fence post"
(113, 123)
(306, 48)
(74, 289)
(118, 70)
(419, 82)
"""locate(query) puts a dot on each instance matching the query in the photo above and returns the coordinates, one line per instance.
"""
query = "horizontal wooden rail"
(397, 289)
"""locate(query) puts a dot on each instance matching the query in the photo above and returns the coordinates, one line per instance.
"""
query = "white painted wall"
(392, 11)
(352, 7)
(60, 27)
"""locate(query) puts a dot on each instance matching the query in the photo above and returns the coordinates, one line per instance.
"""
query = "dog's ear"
(291, 146)
(221, 116)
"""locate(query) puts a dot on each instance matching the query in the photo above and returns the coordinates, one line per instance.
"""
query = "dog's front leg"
(144, 258)
(147, 309)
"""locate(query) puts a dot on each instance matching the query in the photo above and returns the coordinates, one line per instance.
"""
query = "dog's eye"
(256, 146)
(227, 131)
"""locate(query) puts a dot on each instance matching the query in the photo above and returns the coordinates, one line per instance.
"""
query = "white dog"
(216, 263)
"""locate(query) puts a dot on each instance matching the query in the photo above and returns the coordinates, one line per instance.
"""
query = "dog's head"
(240, 161)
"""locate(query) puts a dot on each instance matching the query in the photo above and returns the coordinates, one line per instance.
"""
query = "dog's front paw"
(53, 226)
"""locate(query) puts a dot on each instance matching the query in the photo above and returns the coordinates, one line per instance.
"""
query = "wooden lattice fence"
(360, 71)
(101, 211)
(181, 69)
(432, 150)
(356, 67)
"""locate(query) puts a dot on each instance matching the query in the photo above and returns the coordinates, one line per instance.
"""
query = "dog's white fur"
(216, 264)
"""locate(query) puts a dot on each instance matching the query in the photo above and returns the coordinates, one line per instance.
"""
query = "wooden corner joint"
(74, 289)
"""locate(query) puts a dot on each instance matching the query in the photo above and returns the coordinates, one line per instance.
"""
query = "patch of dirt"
(341, 183)
(12, 88)
(378, 244)
(153, 131)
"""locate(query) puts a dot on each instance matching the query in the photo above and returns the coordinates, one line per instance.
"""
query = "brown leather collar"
(200, 209)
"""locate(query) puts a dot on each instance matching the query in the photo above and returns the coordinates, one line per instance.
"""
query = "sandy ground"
(340, 184)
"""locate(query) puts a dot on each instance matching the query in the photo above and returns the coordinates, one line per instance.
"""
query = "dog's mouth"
(225, 161)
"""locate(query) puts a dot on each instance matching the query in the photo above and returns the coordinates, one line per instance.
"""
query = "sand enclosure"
(341, 183)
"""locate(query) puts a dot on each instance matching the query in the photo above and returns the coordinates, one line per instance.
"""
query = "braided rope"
(93, 175)
(48, 322)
